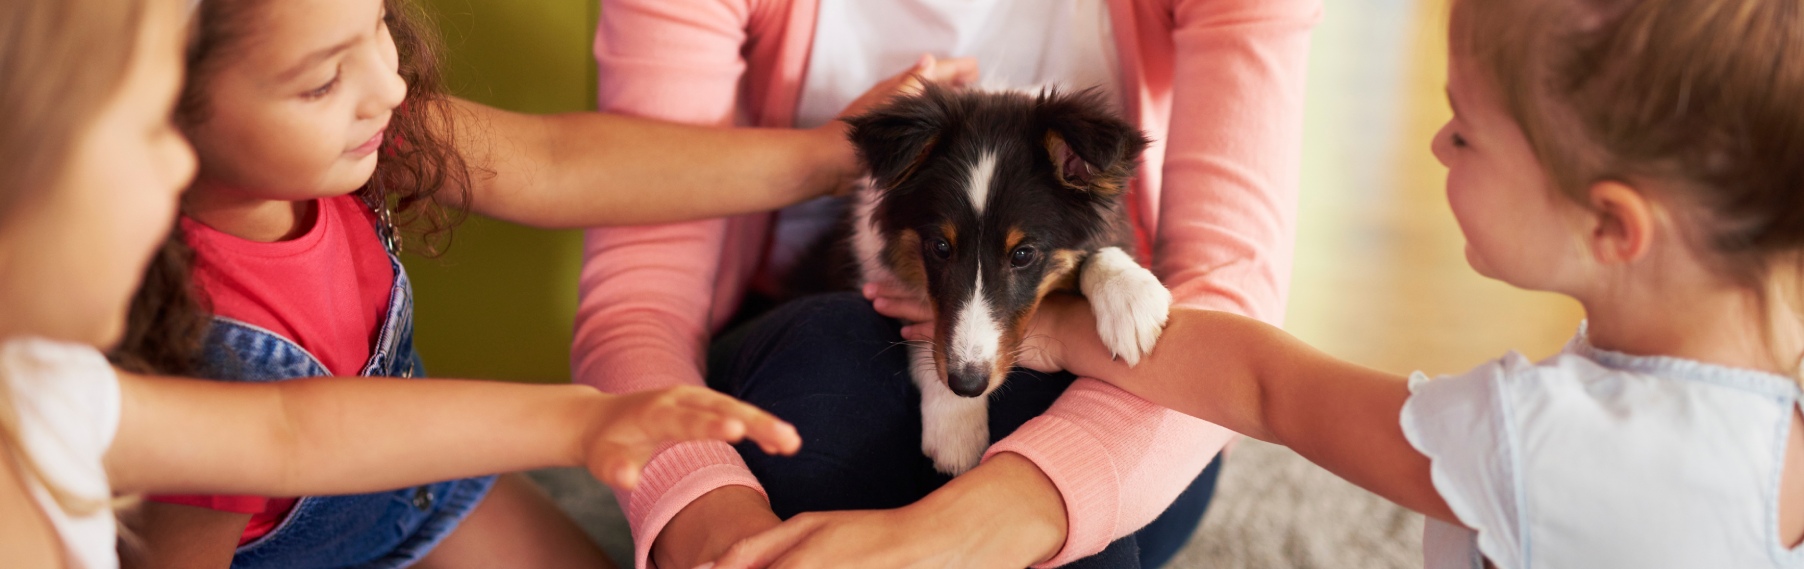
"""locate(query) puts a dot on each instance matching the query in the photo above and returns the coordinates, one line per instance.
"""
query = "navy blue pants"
(837, 370)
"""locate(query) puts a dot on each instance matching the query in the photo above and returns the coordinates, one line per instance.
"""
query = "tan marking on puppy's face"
(905, 261)
(904, 256)
(1061, 272)
(1014, 237)
(950, 231)
(1061, 275)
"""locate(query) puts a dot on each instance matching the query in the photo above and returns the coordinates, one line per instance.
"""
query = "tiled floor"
(1381, 280)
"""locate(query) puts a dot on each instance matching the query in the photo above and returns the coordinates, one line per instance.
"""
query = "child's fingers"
(956, 71)
(688, 423)
(621, 469)
(772, 434)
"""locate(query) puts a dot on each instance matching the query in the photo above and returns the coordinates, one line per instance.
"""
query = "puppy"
(983, 203)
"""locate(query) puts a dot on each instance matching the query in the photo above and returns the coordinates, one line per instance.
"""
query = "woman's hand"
(1004, 513)
(627, 429)
(895, 301)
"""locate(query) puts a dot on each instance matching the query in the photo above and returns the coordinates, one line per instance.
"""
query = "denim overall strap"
(379, 530)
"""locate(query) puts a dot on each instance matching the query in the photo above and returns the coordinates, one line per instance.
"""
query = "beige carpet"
(1274, 509)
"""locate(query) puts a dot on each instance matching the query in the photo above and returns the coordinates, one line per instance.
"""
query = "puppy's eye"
(1023, 256)
(940, 248)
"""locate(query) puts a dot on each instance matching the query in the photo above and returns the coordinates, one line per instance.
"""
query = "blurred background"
(1380, 278)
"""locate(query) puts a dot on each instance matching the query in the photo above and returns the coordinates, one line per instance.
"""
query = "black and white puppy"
(984, 202)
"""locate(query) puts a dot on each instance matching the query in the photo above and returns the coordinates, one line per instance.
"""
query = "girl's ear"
(1623, 223)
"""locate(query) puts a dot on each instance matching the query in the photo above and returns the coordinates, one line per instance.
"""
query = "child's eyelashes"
(321, 91)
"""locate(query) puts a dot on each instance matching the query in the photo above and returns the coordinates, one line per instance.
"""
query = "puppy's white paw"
(1130, 303)
(954, 430)
(955, 440)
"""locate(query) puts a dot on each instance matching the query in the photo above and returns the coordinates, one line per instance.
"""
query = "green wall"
(499, 303)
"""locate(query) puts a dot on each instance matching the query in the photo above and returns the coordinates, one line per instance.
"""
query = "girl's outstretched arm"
(590, 169)
(1255, 379)
(355, 435)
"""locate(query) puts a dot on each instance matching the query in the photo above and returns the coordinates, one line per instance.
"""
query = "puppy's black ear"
(1091, 148)
(895, 138)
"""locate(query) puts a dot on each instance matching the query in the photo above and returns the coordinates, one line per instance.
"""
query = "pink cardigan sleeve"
(1227, 224)
(647, 293)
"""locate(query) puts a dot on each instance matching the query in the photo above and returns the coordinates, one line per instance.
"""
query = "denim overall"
(385, 529)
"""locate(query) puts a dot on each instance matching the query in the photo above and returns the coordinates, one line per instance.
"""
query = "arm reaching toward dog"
(587, 169)
(1255, 379)
(346, 436)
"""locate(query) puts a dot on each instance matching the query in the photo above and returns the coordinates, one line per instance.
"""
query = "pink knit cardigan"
(1218, 86)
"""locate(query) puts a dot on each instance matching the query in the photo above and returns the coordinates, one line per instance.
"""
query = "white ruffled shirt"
(67, 397)
(1594, 458)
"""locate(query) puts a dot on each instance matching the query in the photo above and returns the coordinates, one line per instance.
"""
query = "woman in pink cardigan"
(1217, 85)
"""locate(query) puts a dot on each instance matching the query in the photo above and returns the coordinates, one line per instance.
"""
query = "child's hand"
(957, 72)
(627, 429)
(1043, 343)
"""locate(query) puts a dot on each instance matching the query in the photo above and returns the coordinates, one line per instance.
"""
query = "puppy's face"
(990, 201)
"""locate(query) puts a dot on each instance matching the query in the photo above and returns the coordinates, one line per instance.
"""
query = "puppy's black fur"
(983, 203)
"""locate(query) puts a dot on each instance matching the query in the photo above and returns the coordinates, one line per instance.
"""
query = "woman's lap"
(838, 370)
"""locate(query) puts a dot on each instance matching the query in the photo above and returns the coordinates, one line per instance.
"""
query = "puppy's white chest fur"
(987, 201)
(1131, 307)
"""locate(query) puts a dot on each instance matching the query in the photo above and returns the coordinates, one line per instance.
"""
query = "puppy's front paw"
(954, 430)
(1130, 303)
(955, 441)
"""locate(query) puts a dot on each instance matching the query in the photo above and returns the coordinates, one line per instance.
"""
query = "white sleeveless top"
(67, 397)
(1019, 44)
(1594, 458)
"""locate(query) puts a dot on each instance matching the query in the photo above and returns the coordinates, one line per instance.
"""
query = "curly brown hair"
(170, 315)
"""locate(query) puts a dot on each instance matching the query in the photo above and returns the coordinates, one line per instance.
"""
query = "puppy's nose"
(968, 381)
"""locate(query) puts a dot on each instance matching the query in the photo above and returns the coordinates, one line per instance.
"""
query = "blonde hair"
(1699, 101)
(61, 63)
(1701, 97)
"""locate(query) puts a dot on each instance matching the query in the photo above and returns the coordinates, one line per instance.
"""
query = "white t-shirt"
(1018, 44)
(67, 397)
(1594, 458)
